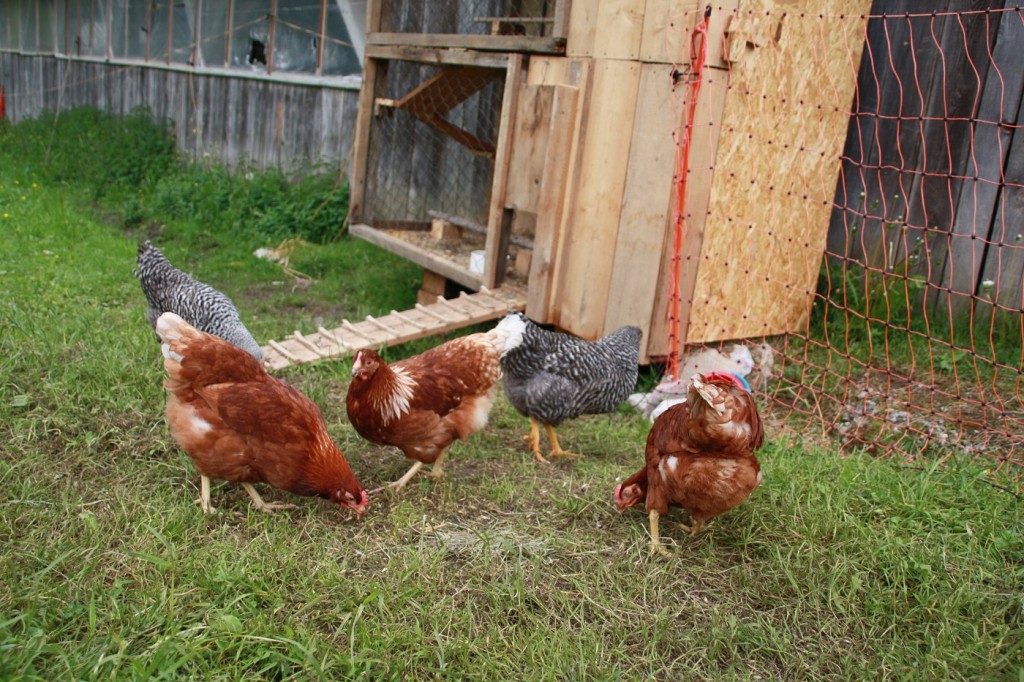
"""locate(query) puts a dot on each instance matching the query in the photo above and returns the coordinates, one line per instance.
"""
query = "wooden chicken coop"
(532, 144)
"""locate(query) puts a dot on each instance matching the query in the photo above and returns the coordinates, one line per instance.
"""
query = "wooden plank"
(428, 55)
(1004, 257)
(558, 71)
(619, 29)
(585, 260)
(473, 226)
(646, 203)
(551, 202)
(455, 41)
(990, 140)
(667, 25)
(422, 257)
(768, 216)
(496, 244)
(394, 328)
(703, 164)
(529, 152)
(375, 15)
(560, 26)
(360, 155)
(582, 28)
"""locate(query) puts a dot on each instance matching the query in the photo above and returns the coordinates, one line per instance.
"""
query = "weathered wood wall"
(933, 171)
(232, 120)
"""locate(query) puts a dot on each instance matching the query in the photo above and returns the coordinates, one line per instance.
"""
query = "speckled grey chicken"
(554, 376)
(169, 290)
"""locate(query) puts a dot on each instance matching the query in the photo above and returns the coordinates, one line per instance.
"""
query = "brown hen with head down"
(699, 456)
(422, 404)
(242, 425)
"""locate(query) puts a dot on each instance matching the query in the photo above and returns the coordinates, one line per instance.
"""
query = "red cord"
(698, 53)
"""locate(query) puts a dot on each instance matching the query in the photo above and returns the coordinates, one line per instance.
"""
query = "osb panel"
(794, 67)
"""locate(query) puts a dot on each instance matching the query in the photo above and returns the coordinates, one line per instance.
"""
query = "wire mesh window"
(296, 36)
(431, 147)
(533, 18)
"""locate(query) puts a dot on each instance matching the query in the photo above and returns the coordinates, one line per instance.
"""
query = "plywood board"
(552, 201)
(784, 126)
(582, 28)
(646, 202)
(619, 29)
(557, 71)
(496, 247)
(668, 25)
(703, 168)
(529, 151)
(589, 238)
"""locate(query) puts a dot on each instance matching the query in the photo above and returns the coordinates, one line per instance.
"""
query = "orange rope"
(698, 53)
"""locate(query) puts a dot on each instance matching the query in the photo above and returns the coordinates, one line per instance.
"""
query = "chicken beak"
(360, 508)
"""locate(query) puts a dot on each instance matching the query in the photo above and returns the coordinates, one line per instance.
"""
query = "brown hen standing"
(699, 456)
(242, 425)
(422, 404)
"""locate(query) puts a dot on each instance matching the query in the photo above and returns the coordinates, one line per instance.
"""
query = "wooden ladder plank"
(394, 328)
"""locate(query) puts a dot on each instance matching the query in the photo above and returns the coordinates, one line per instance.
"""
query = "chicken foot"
(534, 440)
(656, 544)
(400, 483)
(268, 507)
(204, 495)
(556, 449)
(436, 472)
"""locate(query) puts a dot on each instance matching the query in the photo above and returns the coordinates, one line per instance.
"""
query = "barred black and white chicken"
(169, 290)
(554, 376)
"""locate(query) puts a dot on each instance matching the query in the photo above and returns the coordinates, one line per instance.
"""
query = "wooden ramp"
(394, 328)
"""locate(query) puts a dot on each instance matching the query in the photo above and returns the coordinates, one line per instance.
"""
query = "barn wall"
(227, 119)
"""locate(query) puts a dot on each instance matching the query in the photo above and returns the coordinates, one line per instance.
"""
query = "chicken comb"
(735, 379)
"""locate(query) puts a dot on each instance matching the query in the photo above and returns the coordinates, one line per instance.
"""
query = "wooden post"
(360, 155)
(497, 243)
(270, 36)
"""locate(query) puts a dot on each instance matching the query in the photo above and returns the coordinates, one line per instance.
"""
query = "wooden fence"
(932, 185)
(232, 118)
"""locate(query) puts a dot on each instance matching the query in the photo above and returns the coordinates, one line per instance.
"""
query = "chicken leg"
(556, 449)
(534, 440)
(436, 472)
(656, 545)
(267, 507)
(204, 495)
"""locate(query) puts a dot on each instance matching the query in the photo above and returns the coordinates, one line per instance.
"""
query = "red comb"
(723, 376)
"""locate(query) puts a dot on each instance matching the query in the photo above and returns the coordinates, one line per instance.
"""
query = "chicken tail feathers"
(631, 491)
(195, 357)
(172, 331)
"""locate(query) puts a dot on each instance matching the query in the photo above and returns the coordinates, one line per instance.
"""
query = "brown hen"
(422, 404)
(699, 456)
(242, 425)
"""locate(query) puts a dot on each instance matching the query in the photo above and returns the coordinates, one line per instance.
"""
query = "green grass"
(836, 568)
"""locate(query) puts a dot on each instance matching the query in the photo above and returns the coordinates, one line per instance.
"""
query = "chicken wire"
(532, 18)
(914, 346)
(414, 167)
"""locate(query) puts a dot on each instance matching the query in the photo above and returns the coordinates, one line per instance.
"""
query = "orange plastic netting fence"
(911, 344)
